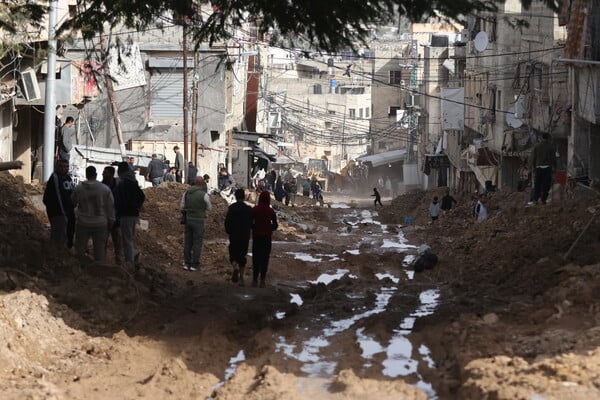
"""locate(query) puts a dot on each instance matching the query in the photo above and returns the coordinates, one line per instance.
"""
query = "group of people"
(479, 209)
(159, 171)
(285, 188)
(436, 207)
(94, 209)
(241, 222)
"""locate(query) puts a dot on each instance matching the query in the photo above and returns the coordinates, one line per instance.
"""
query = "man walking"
(108, 179)
(59, 207)
(543, 161)
(129, 199)
(238, 225)
(448, 201)
(95, 214)
(195, 203)
(156, 171)
(178, 164)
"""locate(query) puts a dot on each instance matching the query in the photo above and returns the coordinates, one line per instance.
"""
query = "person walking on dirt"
(434, 209)
(291, 190)
(108, 179)
(238, 225)
(129, 199)
(95, 214)
(306, 188)
(543, 162)
(264, 223)
(447, 202)
(318, 193)
(178, 164)
(59, 207)
(377, 197)
(194, 203)
(279, 192)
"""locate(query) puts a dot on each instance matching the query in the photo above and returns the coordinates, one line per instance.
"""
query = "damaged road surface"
(343, 315)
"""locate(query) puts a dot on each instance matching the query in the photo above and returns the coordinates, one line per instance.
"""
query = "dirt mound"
(517, 314)
(161, 243)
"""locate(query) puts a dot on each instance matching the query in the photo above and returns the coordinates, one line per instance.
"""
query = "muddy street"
(343, 314)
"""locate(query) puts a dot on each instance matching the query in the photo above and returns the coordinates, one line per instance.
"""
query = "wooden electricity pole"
(184, 173)
(110, 93)
(195, 111)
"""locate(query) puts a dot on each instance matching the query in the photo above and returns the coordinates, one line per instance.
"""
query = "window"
(382, 145)
(327, 125)
(395, 77)
(392, 111)
(352, 113)
(317, 89)
(360, 113)
(499, 99)
(367, 112)
(538, 71)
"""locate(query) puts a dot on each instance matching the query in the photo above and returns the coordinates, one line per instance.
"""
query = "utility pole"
(194, 154)
(50, 100)
(110, 93)
(185, 103)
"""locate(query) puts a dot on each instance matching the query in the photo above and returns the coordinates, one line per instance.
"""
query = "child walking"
(434, 209)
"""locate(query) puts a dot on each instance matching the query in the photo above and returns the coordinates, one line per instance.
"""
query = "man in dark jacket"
(59, 206)
(156, 171)
(129, 199)
(238, 225)
(447, 201)
(192, 173)
(108, 178)
(178, 164)
(543, 161)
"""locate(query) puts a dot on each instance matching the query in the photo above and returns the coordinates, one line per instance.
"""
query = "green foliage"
(328, 25)
(17, 17)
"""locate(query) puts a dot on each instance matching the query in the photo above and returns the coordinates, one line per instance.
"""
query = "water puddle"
(319, 362)
(397, 357)
(230, 371)
(317, 258)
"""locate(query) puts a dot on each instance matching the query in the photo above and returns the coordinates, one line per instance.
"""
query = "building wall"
(317, 120)
(387, 96)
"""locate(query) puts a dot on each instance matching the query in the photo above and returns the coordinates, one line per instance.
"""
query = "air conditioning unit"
(29, 84)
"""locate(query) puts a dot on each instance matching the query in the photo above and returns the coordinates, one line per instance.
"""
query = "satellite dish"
(402, 83)
(481, 41)
(520, 106)
(511, 119)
